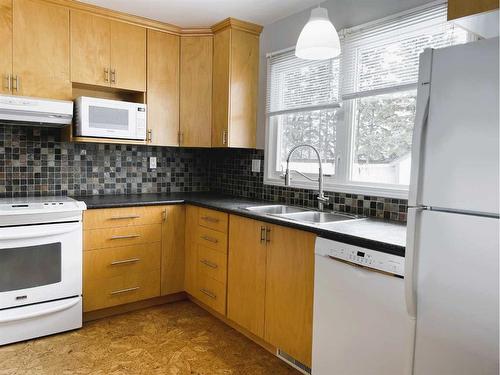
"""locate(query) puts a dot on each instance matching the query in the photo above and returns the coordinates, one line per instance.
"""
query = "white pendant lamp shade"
(318, 39)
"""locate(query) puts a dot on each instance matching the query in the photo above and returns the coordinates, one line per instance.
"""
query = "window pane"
(382, 132)
(317, 128)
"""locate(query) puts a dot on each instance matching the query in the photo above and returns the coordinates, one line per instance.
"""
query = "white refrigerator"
(452, 262)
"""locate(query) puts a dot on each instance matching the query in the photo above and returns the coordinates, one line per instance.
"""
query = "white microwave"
(104, 118)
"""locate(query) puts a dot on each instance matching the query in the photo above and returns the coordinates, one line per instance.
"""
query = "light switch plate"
(152, 162)
(256, 165)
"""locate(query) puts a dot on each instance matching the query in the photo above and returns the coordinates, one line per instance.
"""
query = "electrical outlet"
(152, 162)
(256, 165)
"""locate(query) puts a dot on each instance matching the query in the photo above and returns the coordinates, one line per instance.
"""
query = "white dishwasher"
(361, 326)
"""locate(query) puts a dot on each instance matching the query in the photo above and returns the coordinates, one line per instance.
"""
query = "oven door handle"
(34, 233)
(37, 314)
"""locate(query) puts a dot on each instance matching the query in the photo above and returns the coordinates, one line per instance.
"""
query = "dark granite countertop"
(376, 234)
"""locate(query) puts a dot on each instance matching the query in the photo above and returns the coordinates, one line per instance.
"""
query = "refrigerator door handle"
(410, 256)
(421, 116)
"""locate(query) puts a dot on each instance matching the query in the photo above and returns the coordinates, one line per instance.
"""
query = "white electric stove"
(40, 266)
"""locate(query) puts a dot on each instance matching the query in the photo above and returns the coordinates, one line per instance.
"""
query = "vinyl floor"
(173, 339)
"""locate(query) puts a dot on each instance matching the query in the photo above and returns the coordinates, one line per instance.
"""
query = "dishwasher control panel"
(364, 257)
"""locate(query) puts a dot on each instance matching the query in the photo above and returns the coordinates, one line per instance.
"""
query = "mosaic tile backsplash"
(34, 162)
(231, 173)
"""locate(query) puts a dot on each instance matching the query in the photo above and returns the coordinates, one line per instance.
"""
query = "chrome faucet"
(288, 178)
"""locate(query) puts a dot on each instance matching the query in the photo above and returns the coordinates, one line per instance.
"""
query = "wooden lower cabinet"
(132, 254)
(246, 284)
(289, 291)
(270, 284)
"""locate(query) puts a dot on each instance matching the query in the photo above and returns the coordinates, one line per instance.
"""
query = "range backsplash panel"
(35, 162)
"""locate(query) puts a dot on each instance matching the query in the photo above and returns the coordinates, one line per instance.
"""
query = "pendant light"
(318, 40)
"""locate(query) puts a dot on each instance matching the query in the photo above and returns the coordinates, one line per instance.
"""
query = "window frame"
(341, 182)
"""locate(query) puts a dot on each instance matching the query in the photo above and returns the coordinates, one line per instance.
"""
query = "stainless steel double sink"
(300, 214)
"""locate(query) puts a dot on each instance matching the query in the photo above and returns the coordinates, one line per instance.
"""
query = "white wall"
(343, 13)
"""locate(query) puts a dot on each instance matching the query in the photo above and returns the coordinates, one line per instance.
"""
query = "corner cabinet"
(107, 53)
(34, 49)
(196, 91)
(270, 284)
(235, 83)
(163, 88)
(463, 8)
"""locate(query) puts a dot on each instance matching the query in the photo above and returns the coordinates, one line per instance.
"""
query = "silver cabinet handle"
(131, 260)
(208, 263)
(124, 290)
(124, 237)
(8, 85)
(113, 76)
(150, 135)
(124, 217)
(164, 215)
(224, 137)
(268, 234)
(209, 239)
(181, 138)
(106, 75)
(17, 84)
(208, 293)
(262, 234)
(210, 219)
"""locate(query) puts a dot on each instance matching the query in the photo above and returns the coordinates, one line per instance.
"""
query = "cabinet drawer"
(102, 293)
(215, 220)
(116, 261)
(212, 263)
(212, 239)
(212, 293)
(121, 217)
(116, 237)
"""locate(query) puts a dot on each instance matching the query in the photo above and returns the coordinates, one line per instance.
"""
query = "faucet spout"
(288, 179)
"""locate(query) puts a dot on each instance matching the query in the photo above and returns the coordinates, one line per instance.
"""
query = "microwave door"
(109, 122)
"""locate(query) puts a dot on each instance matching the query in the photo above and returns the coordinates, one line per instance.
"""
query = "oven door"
(40, 263)
(109, 119)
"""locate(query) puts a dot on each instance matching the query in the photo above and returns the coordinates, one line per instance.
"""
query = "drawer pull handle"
(211, 219)
(124, 217)
(131, 260)
(210, 294)
(209, 239)
(125, 237)
(124, 290)
(208, 263)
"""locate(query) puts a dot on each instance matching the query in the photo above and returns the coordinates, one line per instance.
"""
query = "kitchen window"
(358, 109)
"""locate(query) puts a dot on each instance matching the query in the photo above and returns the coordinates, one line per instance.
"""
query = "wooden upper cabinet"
(289, 291)
(34, 49)
(90, 49)
(235, 86)
(196, 91)
(246, 283)
(107, 53)
(463, 8)
(6, 45)
(163, 88)
(128, 56)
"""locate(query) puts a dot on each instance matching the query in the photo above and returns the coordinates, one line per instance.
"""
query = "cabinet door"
(289, 291)
(163, 88)
(172, 252)
(220, 97)
(41, 50)
(90, 49)
(5, 45)
(191, 261)
(244, 89)
(463, 8)
(246, 284)
(128, 56)
(196, 91)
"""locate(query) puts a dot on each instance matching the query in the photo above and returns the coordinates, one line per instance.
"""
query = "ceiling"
(186, 13)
